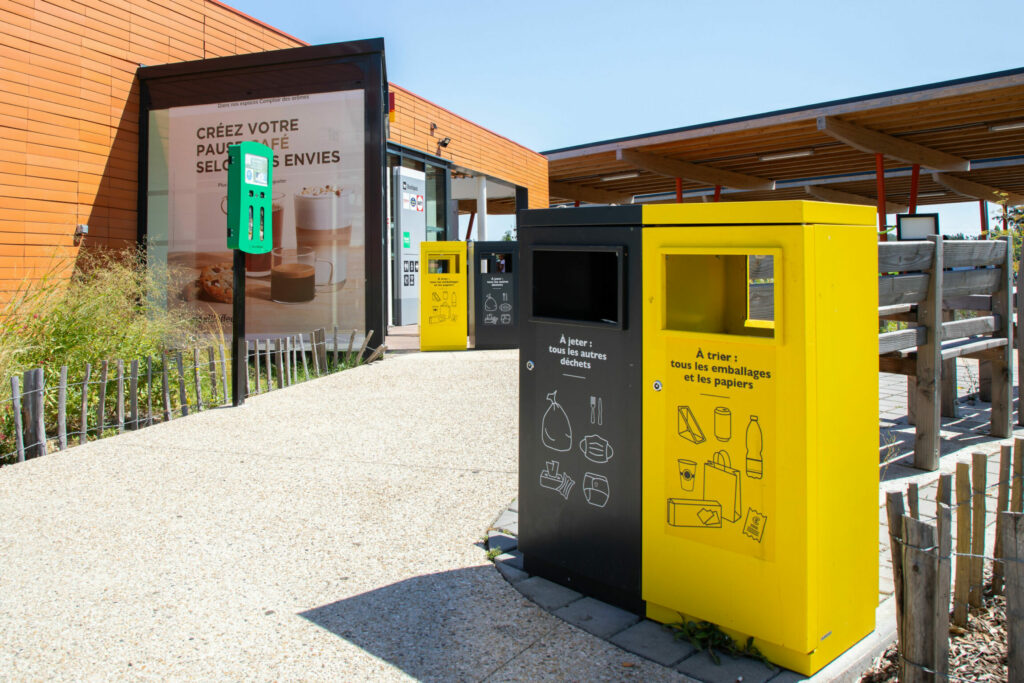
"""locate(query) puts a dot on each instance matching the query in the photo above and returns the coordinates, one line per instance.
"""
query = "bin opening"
(443, 264)
(496, 263)
(720, 293)
(579, 284)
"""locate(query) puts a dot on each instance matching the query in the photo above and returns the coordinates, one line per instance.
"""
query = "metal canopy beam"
(874, 142)
(587, 194)
(676, 168)
(969, 188)
(828, 194)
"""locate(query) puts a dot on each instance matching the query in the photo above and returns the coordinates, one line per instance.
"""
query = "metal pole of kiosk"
(239, 349)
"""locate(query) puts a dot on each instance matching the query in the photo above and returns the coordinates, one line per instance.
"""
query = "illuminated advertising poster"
(314, 277)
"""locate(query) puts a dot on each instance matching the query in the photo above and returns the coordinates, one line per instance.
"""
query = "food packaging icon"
(723, 423)
(556, 432)
(688, 427)
(701, 514)
(722, 484)
(596, 489)
(596, 449)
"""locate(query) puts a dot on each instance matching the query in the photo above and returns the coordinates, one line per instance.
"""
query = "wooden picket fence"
(178, 382)
(926, 578)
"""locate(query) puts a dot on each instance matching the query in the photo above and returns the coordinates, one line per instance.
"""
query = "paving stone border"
(653, 641)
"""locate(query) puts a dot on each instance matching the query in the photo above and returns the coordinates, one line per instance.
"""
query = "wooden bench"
(925, 283)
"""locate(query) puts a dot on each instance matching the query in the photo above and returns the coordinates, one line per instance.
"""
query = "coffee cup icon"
(687, 474)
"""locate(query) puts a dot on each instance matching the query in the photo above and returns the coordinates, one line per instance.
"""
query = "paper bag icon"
(703, 514)
(722, 484)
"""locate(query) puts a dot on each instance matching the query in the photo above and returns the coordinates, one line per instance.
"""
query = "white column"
(481, 208)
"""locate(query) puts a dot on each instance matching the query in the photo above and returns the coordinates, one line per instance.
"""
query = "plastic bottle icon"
(556, 432)
(755, 446)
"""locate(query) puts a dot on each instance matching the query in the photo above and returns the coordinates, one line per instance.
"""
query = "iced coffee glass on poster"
(323, 223)
(293, 277)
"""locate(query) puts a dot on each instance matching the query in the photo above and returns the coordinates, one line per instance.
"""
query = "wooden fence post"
(224, 374)
(279, 361)
(929, 362)
(287, 360)
(213, 376)
(377, 353)
(133, 394)
(316, 352)
(944, 528)
(913, 501)
(256, 350)
(335, 348)
(1002, 504)
(62, 409)
(120, 396)
(19, 431)
(1001, 367)
(83, 436)
(1013, 546)
(149, 390)
(32, 409)
(101, 417)
(167, 388)
(302, 352)
(963, 544)
(366, 342)
(196, 380)
(979, 467)
(894, 515)
(351, 341)
(182, 396)
(266, 363)
(921, 595)
(1016, 485)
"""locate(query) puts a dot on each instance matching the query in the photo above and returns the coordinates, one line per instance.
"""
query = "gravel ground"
(326, 531)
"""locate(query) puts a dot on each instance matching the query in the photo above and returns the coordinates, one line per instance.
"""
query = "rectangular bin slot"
(720, 294)
(496, 263)
(579, 285)
(443, 264)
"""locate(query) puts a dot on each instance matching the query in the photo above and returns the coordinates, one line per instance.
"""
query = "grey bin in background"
(494, 297)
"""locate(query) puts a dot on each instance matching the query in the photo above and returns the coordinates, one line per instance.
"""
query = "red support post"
(880, 181)
(469, 231)
(679, 190)
(983, 210)
(915, 174)
(718, 192)
(576, 203)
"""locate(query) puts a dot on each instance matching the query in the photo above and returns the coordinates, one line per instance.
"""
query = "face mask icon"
(596, 448)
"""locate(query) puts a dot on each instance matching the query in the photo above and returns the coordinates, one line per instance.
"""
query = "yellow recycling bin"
(760, 423)
(443, 309)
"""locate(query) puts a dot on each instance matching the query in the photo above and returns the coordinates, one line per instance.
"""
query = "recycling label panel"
(719, 461)
(581, 438)
(497, 291)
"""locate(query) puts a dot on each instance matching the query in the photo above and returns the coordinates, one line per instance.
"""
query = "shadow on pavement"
(432, 627)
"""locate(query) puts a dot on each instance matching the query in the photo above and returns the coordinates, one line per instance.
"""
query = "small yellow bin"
(443, 306)
(760, 483)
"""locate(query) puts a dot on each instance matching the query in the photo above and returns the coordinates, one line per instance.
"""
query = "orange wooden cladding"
(69, 119)
(472, 147)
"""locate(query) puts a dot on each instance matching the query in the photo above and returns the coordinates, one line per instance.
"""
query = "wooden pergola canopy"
(959, 132)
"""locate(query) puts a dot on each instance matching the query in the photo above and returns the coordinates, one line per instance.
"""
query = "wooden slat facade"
(69, 106)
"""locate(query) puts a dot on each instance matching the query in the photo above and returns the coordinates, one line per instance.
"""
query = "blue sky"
(553, 74)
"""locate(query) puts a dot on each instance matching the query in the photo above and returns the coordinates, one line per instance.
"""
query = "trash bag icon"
(556, 432)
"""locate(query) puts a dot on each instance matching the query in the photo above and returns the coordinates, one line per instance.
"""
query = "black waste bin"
(579, 403)
(495, 296)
